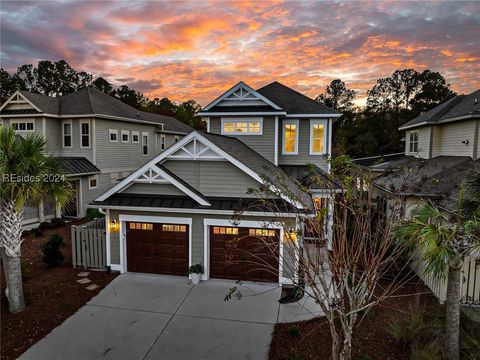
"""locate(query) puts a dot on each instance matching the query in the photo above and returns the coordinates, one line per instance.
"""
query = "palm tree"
(443, 240)
(29, 175)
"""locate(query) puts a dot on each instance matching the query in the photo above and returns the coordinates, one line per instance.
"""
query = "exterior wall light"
(114, 226)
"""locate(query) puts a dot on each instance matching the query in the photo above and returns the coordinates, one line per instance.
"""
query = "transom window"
(225, 230)
(23, 126)
(243, 126)
(290, 137)
(317, 137)
(413, 141)
(261, 232)
(174, 228)
(140, 226)
(85, 134)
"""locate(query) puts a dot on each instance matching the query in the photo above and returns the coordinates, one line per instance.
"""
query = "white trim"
(94, 142)
(44, 127)
(125, 132)
(175, 147)
(86, 121)
(93, 177)
(323, 122)
(444, 121)
(151, 219)
(23, 97)
(239, 113)
(290, 122)
(242, 85)
(25, 121)
(208, 124)
(137, 133)
(312, 115)
(247, 120)
(238, 223)
(275, 154)
(330, 132)
(63, 134)
(110, 132)
(107, 238)
(145, 134)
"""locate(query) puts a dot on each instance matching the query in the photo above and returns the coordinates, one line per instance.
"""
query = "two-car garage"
(232, 252)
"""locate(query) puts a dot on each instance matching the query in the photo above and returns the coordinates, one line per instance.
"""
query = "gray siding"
(157, 189)
(213, 178)
(198, 233)
(303, 157)
(263, 144)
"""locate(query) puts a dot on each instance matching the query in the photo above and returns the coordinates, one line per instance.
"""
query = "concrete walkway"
(150, 317)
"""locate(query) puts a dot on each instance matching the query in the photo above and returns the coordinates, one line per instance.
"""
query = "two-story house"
(177, 209)
(441, 148)
(97, 138)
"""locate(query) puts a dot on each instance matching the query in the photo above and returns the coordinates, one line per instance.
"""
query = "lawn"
(51, 295)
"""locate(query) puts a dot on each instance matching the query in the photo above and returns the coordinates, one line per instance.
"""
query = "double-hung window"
(318, 137)
(144, 143)
(242, 126)
(290, 137)
(85, 133)
(413, 141)
(67, 133)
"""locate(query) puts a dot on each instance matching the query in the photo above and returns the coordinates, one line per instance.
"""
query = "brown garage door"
(244, 253)
(157, 248)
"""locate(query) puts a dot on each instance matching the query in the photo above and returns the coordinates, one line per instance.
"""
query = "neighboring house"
(177, 209)
(442, 148)
(98, 139)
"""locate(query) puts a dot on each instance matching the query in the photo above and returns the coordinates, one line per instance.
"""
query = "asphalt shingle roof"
(292, 101)
(460, 105)
(90, 100)
(311, 176)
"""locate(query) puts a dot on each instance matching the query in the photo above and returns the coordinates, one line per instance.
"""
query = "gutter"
(444, 121)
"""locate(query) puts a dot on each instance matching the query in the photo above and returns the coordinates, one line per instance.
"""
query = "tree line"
(392, 101)
(57, 78)
(361, 131)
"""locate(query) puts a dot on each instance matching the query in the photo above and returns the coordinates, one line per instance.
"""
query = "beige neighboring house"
(98, 139)
(442, 146)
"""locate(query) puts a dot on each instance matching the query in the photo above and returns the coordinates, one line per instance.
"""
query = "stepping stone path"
(86, 280)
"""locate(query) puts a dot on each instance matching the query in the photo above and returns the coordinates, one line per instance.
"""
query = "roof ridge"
(454, 101)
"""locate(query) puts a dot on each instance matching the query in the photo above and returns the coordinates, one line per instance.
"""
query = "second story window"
(85, 134)
(67, 134)
(290, 137)
(125, 136)
(144, 143)
(244, 126)
(162, 142)
(318, 137)
(135, 137)
(413, 141)
(113, 135)
(21, 126)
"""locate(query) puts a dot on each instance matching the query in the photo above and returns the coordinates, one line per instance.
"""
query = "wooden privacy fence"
(470, 282)
(89, 244)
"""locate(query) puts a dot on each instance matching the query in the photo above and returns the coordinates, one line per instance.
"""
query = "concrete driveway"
(150, 317)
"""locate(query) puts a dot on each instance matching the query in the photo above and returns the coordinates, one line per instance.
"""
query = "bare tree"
(337, 250)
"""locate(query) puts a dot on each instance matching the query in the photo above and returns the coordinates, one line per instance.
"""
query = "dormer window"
(242, 126)
(413, 141)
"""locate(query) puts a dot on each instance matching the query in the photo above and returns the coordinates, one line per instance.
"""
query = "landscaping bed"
(51, 294)
(372, 339)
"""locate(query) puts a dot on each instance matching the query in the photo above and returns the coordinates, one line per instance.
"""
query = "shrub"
(57, 222)
(37, 232)
(195, 269)
(93, 214)
(46, 226)
(52, 255)
(293, 330)
(364, 357)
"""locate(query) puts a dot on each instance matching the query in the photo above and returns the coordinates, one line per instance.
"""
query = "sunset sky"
(196, 50)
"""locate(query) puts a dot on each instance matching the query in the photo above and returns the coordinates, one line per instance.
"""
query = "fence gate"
(89, 244)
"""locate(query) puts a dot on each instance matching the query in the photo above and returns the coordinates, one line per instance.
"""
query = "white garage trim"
(244, 224)
(149, 219)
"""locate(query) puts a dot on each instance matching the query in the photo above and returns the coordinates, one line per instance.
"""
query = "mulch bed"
(371, 339)
(51, 295)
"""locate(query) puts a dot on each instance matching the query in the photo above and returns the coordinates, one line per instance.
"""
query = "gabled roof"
(91, 101)
(77, 166)
(456, 108)
(293, 102)
(208, 146)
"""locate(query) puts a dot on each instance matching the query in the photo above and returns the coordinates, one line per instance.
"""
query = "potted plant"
(196, 272)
